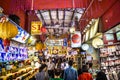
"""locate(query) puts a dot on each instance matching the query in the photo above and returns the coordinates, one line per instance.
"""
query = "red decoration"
(76, 38)
(6, 42)
(43, 30)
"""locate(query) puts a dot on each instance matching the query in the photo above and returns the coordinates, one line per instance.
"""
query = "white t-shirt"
(64, 65)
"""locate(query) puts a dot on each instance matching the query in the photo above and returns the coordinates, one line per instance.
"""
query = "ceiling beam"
(64, 18)
(50, 17)
(73, 15)
(57, 14)
(42, 17)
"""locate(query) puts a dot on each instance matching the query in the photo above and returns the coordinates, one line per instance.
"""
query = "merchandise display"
(110, 60)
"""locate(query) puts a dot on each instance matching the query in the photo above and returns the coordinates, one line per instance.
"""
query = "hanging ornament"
(43, 30)
(6, 42)
(39, 46)
(8, 30)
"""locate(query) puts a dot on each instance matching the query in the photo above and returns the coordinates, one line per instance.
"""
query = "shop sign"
(22, 35)
(76, 39)
(58, 42)
(36, 27)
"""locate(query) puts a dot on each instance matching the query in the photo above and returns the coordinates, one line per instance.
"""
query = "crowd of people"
(62, 69)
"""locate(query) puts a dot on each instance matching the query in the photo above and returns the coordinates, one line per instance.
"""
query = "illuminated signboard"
(57, 42)
(22, 35)
(76, 39)
(14, 53)
(36, 27)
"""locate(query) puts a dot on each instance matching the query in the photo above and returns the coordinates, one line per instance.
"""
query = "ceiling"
(114, 30)
(91, 8)
(59, 21)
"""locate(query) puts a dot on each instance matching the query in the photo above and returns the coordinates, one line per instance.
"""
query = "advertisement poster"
(36, 27)
(76, 39)
(22, 35)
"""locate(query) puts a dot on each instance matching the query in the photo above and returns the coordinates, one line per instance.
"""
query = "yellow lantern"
(8, 30)
(39, 46)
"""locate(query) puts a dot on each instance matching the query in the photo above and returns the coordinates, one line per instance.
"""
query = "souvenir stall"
(110, 53)
(14, 61)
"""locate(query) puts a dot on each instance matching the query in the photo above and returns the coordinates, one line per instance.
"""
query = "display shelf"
(24, 74)
(110, 59)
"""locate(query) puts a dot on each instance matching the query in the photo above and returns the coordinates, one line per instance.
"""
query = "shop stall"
(14, 59)
(110, 53)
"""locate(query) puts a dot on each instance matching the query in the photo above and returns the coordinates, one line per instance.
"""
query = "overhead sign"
(22, 35)
(36, 27)
(57, 42)
(76, 39)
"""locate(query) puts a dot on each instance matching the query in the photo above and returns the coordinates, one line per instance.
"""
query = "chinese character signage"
(36, 27)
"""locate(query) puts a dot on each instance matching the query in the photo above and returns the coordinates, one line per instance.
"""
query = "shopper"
(51, 67)
(119, 75)
(70, 73)
(90, 70)
(85, 74)
(57, 75)
(101, 76)
(64, 65)
(42, 75)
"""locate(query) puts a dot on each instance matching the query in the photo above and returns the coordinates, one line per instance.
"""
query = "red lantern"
(6, 42)
(43, 30)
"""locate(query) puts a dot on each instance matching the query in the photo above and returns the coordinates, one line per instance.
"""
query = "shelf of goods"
(21, 74)
(110, 60)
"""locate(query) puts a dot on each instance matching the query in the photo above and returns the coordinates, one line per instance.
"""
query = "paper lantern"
(6, 42)
(8, 30)
(43, 30)
(72, 30)
(39, 46)
(97, 43)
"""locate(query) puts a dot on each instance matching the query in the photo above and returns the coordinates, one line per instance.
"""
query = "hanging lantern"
(72, 30)
(39, 46)
(8, 30)
(6, 42)
(43, 30)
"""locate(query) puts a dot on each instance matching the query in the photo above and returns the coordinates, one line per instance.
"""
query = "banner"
(76, 39)
(36, 27)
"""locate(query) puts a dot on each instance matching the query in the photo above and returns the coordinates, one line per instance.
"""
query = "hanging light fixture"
(8, 30)
(72, 30)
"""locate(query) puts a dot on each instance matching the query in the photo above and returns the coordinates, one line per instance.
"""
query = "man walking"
(70, 73)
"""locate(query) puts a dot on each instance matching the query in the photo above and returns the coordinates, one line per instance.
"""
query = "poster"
(22, 35)
(76, 39)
